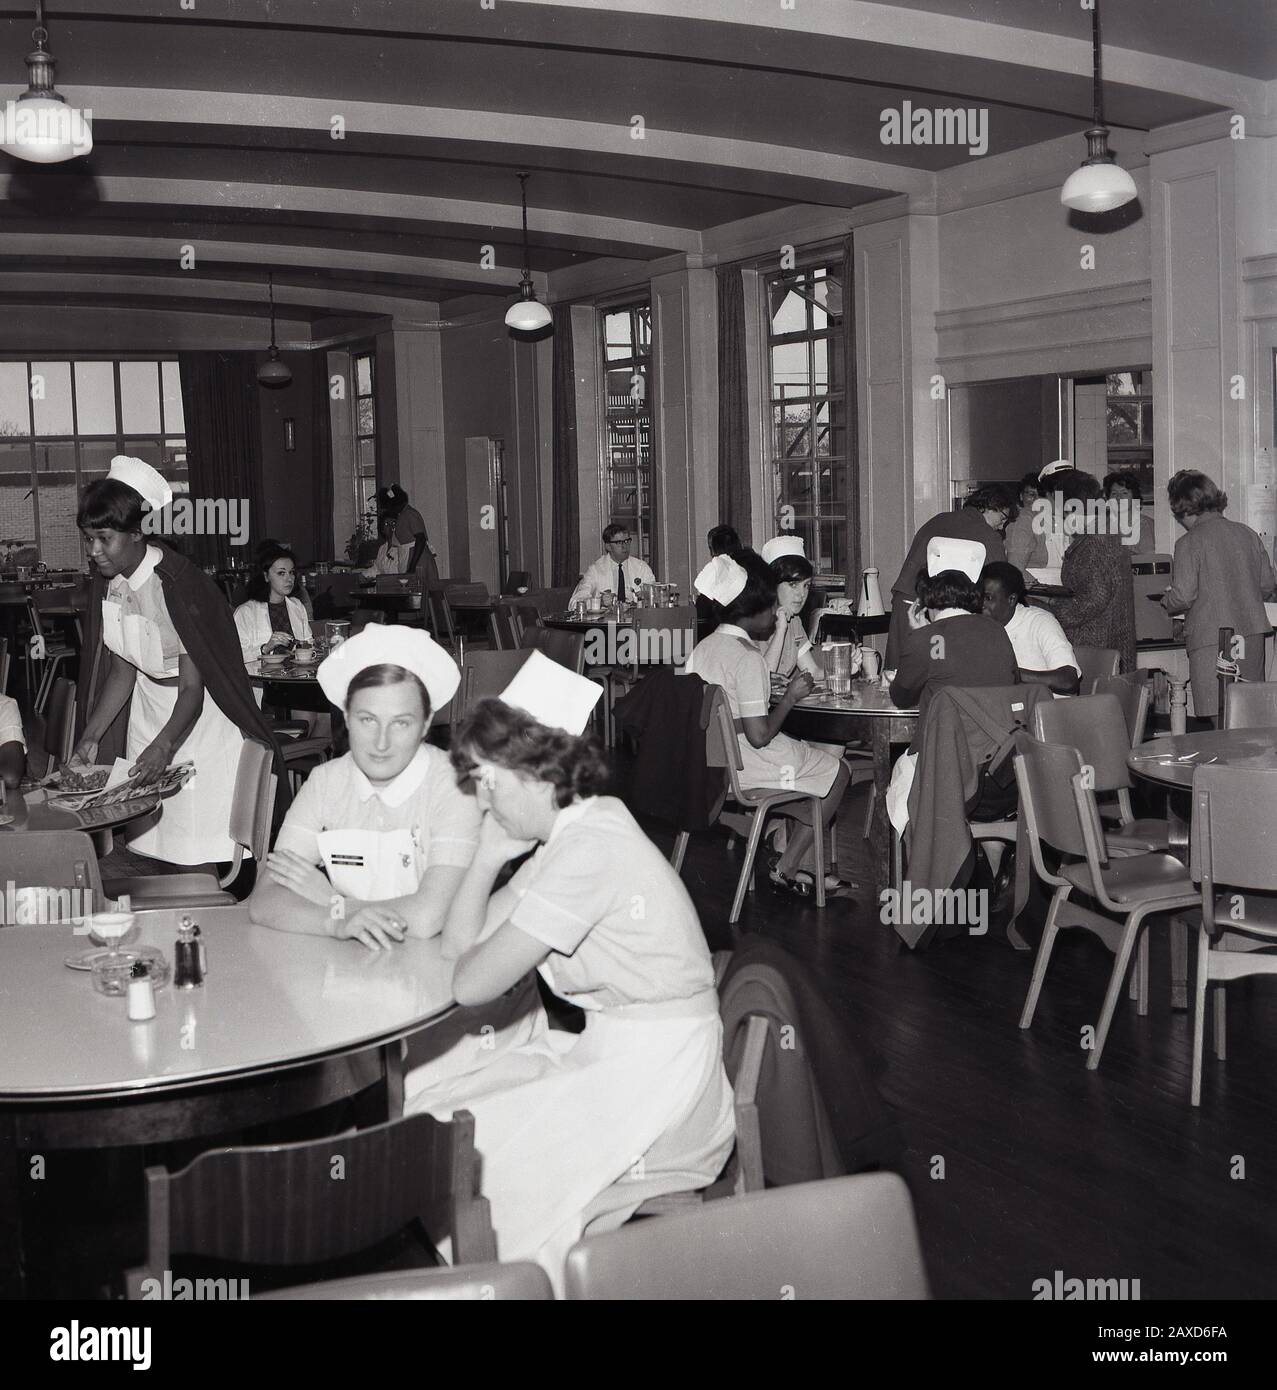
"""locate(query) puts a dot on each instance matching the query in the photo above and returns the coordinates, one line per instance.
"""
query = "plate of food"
(80, 778)
(173, 778)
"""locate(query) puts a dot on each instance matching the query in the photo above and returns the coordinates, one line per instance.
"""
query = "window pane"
(789, 311)
(364, 423)
(363, 375)
(15, 407)
(833, 547)
(148, 450)
(140, 398)
(51, 397)
(617, 335)
(95, 459)
(15, 458)
(1122, 383)
(174, 416)
(643, 331)
(17, 507)
(54, 458)
(175, 453)
(95, 398)
(60, 543)
(789, 370)
(1123, 423)
(367, 457)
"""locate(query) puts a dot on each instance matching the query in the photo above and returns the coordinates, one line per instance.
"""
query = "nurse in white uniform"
(171, 718)
(789, 648)
(378, 841)
(576, 1130)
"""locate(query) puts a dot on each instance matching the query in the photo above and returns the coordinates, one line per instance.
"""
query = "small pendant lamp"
(527, 314)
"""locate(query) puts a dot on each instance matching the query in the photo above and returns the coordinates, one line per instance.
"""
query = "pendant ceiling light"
(273, 373)
(39, 126)
(1101, 184)
(527, 314)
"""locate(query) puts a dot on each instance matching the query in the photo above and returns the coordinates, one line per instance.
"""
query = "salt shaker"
(141, 993)
(188, 972)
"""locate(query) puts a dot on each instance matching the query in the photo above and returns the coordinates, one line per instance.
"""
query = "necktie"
(620, 581)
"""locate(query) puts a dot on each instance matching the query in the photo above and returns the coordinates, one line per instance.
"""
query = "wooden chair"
(252, 807)
(57, 859)
(758, 803)
(484, 674)
(1096, 663)
(501, 1283)
(1234, 810)
(1250, 705)
(280, 1204)
(844, 1238)
(1095, 725)
(1059, 805)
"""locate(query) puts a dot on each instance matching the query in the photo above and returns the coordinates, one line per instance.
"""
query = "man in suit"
(615, 571)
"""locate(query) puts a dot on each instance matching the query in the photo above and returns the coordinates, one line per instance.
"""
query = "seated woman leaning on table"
(950, 642)
(161, 674)
(788, 648)
(271, 611)
(575, 1129)
(743, 592)
(377, 842)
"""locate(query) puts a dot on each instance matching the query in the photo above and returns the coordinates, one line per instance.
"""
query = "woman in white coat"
(271, 612)
(575, 1130)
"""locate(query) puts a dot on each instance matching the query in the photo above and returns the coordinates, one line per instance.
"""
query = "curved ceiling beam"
(161, 247)
(372, 204)
(168, 106)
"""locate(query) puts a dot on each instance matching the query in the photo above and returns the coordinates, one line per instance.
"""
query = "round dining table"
(285, 686)
(283, 1024)
(32, 810)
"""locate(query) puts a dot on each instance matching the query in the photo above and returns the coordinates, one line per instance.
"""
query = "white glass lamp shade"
(1098, 187)
(528, 314)
(44, 130)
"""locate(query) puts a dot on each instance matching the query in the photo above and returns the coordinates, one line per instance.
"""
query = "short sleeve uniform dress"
(579, 1129)
(194, 825)
(729, 658)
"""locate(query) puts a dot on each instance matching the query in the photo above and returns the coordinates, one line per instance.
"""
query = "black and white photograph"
(637, 665)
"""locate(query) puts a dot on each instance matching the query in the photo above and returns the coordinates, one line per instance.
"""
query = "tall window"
(1129, 426)
(365, 378)
(627, 438)
(812, 471)
(60, 424)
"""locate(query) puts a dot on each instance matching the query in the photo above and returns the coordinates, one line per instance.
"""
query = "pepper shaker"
(188, 972)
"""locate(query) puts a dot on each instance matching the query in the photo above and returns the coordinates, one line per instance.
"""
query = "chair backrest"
(509, 624)
(59, 723)
(664, 636)
(844, 1238)
(722, 745)
(1250, 705)
(559, 644)
(1234, 811)
(1096, 727)
(4, 665)
(1044, 774)
(1133, 692)
(483, 674)
(439, 614)
(1096, 663)
(522, 1282)
(467, 590)
(253, 803)
(57, 859)
(278, 1204)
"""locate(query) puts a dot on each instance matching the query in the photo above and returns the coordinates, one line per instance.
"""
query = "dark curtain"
(733, 411)
(223, 434)
(565, 537)
(851, 415)
(321, 459)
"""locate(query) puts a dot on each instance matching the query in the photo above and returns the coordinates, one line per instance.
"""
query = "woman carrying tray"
(162, 677)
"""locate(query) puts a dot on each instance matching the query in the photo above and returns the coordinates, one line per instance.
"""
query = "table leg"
(12, 1273)
(1179, 963)
(392, 1066)
(880, 827)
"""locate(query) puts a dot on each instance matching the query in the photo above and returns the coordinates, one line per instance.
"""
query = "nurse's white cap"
(1059, 466)
(552, 695)
(722, 580)
(783, 545)
(149, 484)
(381, 644)
(947, 553)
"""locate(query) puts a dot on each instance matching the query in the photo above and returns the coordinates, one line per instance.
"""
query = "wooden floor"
(1022, 1162)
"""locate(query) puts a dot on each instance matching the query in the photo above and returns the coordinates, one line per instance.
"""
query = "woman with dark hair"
(789, 647)
(161, 673)
(743, 591)
(1026, 535)
(1097, 568)
(1220, 577)
(271, 613)
(403, 526)
(1123, 487)
(377, 842)
(575, 1129)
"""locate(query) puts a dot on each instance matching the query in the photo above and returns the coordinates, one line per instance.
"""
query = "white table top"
(865, 698)
(270, 998)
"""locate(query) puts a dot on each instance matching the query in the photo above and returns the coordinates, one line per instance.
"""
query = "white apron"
(576, 1128)
(193, 826)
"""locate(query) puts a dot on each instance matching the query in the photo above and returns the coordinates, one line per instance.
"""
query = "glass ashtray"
(113, 970)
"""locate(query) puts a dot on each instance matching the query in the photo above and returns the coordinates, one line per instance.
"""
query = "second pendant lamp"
(1101, 184)
(527, 314)
(273, 373)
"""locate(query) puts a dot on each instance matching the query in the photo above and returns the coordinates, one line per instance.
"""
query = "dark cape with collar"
(203, 621)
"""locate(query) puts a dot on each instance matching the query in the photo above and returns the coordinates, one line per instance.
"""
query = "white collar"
(568, 814)
(950, 613)
(145, 569)
(398, 790)
(731, 630)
